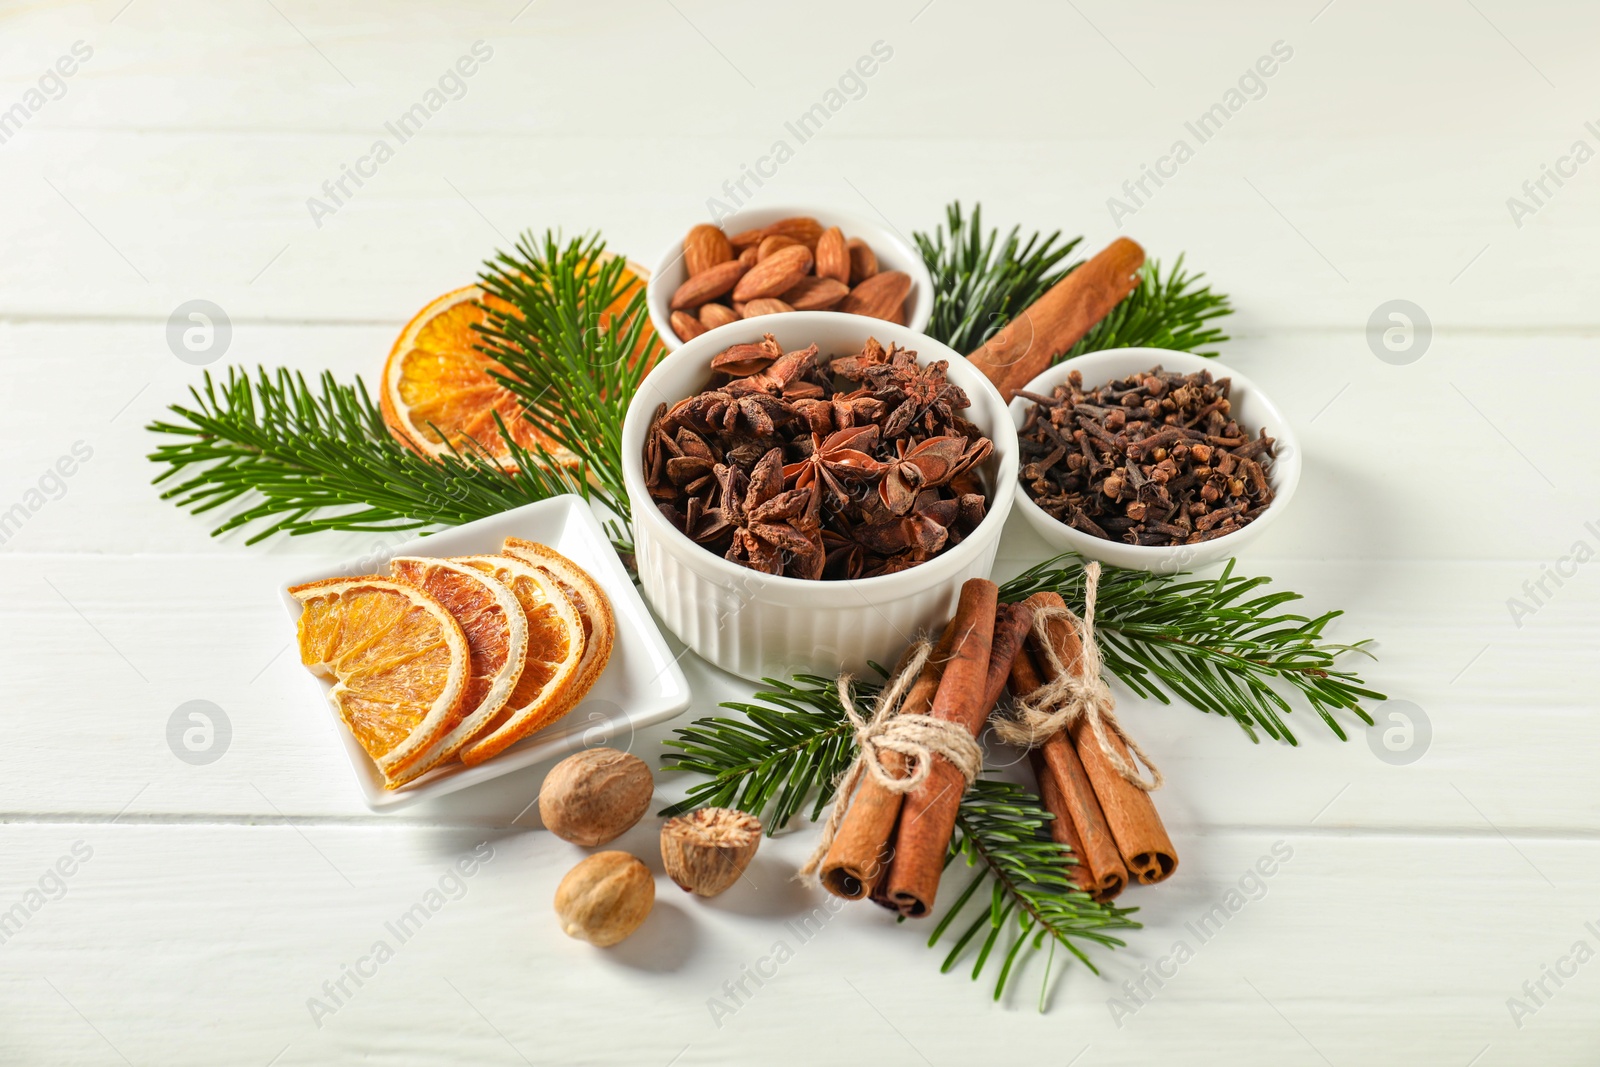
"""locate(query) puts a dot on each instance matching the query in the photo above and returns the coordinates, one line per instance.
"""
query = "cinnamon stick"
(1055, 322)
(1129, 812)
(973, 680)
(858, 858)
(1067, 794)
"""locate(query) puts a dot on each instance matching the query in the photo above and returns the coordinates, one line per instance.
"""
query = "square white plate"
(640, 685)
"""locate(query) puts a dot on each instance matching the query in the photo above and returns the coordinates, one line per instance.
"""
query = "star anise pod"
(856, 367)
(774, 526)
(928, 465)
(923, 530)
(928, 398)
(844, 454)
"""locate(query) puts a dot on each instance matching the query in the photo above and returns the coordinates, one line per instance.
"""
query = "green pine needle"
(1200, 639)
(320, 458)
(1003, 829)
(982, 283)
(1163, 311)
(793, 743)
(574, 367)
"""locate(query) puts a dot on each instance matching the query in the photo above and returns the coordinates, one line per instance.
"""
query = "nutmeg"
(706, 851)
(604, 899)
(594, 796)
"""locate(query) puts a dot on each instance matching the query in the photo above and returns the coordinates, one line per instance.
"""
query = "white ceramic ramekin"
(892, 251)
(757, 625)
(1249, 405)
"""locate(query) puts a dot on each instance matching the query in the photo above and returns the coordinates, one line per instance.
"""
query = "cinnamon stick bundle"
(1066, 792)
(858, 858)
(1055, 322)
(976, 674)
(1129, 812)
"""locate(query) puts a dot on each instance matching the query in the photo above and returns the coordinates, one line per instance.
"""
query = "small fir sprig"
(1207, 641)
(979, 282)
(982, 283)
(311, 458)
(790, 749)
(1003, 831)
(1171, 310)
(792, 745)
(573, 358)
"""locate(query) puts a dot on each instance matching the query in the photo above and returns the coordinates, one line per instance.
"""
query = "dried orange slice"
(497, 643)
(437, 385)
(599, 624)
(398, 658)
(555, 649)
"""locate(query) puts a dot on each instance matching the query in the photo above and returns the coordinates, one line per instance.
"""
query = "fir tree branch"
(321, 459)
(981, 283)
(1201, 640)
(1003, 829)
(793, 744)
(1171, 311)
(573, 359)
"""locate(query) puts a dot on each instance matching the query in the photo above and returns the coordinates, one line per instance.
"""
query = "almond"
(686, 326)
(776, 274)
(863, 263)
(746, 239)
(833, 256)
(704, 248)
(750, 256)
(881, 296)
(771, 244)
(708, 285)
(765, 305)
(816, 294)
(714, 315)
(802, 228)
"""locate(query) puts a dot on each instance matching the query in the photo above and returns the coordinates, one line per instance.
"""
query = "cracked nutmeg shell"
(706, 851)
(605, 898)
(594, 796)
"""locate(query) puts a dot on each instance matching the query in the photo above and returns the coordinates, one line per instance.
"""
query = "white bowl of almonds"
(763, 262)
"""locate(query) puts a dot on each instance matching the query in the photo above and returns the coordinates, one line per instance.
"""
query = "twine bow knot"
(1073, 695)
(918, 738)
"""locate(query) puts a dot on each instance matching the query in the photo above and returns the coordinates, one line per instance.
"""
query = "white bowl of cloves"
(1151, 459)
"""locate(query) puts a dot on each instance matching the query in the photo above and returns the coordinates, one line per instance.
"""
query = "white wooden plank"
(162, 949)
(1321, 200)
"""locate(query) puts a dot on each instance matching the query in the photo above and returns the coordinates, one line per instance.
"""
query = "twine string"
(917, 738)
(1071, 696)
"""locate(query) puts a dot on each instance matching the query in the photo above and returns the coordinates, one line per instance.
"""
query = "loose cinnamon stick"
(1065, 790)
(1130, 813)
(1055, 322)
(858, 859)
(973, 680)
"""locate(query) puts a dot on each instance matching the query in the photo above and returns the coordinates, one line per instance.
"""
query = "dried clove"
(1156, 458)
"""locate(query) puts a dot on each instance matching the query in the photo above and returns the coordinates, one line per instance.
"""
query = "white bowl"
(763, 626)
(891, 249)
(1250, 406)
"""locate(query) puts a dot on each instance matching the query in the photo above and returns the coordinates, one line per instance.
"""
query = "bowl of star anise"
(810, 490)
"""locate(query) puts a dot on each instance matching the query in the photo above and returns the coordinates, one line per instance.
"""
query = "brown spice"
(856, 467)
(1152, 459)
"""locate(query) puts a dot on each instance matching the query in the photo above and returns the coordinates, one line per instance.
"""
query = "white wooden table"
(207, 903)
